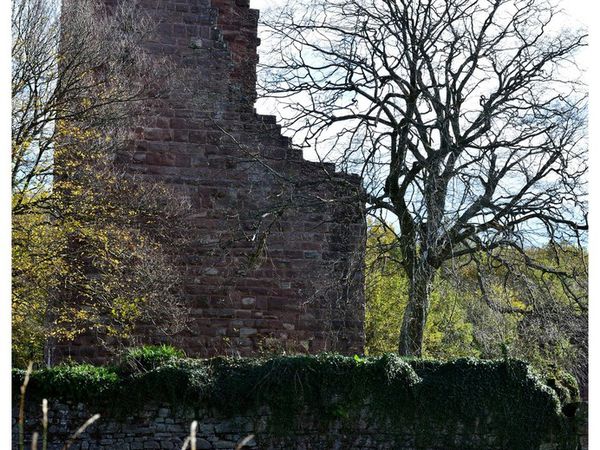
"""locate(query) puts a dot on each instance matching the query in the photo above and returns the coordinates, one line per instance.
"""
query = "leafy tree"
(541, 311)
(449, 332)
(522, 312)
(91, 242)
(465, 118)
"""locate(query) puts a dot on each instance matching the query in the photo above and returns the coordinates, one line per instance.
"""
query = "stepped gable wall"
(276, 241)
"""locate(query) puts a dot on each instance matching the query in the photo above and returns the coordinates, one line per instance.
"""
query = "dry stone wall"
(276, 241)
(160, 426)
(305, 402)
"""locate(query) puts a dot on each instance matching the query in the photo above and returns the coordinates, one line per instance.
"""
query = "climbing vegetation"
(402, 394)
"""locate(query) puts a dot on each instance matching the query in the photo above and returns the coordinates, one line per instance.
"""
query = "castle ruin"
(251, 194)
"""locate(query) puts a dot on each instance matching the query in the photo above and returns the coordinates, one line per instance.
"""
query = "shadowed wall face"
(275, 260)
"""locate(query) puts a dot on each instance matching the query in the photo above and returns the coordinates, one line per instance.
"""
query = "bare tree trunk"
(415, 314)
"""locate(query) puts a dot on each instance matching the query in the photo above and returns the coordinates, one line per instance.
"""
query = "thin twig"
(81, 429)
(244, 441)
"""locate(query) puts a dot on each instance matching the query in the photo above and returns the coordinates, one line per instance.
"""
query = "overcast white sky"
(577, 15)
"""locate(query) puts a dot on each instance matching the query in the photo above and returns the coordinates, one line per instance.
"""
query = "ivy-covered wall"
(301, 402)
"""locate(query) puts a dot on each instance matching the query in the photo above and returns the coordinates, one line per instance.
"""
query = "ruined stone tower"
(246, 183)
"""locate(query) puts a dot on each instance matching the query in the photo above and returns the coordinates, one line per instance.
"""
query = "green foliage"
(529, 314)
(76, 382)
(332, 385)
(149, 357)
(405, 394)
(37, 269)
(448, 332)
(90, 241)
(92, 260)
(565, 385)
(518, 403)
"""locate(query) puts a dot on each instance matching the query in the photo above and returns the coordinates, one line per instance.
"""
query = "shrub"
(75, 382)
(400, 394)
(148, 357)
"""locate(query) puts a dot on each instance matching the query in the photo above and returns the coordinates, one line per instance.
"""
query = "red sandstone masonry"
(305, 291)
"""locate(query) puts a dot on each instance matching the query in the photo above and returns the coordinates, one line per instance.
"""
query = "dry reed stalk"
(81, 429)
(45, 424)
(22, 406)
(186, 442)
(191, 439)
(193, 429)
(244, 441)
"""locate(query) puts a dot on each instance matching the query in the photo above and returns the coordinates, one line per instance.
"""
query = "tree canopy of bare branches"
(465, 118)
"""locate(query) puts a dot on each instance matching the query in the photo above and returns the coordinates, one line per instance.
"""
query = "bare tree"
(465, 118)
(78, 64)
